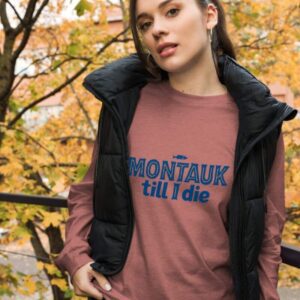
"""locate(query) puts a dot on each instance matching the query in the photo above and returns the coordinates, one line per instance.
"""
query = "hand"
(82, 281)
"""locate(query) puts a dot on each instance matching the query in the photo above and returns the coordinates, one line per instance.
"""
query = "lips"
(166, 48)
(163, 46)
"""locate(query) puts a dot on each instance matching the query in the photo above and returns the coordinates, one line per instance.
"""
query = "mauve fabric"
(179, 247)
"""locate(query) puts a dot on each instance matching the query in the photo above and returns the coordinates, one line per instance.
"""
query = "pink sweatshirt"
(181, 156)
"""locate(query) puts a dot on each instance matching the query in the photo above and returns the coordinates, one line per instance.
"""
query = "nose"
(158, 29)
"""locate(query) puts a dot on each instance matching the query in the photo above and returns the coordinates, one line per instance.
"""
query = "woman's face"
(176, 21)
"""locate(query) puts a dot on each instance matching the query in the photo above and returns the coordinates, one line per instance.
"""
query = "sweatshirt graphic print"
(164, 179)
(181, 156)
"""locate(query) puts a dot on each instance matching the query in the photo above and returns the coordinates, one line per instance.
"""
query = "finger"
(90, 291)
(79, 292)
(86, 287)
(101, 280)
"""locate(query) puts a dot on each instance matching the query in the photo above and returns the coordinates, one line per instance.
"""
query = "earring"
(210, 35)
(148, 56)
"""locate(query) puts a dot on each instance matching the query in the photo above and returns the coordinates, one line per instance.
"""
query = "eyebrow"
(160, 6)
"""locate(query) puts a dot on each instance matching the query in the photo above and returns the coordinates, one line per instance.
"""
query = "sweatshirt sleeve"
(269, 258)
(76, 249)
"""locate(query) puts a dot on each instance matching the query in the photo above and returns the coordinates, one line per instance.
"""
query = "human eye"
(142, 26)
(173, 9)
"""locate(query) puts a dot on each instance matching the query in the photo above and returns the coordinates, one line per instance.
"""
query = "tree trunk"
(56, 245)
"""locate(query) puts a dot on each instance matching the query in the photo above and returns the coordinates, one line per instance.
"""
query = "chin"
(175, 66)
(168, 63)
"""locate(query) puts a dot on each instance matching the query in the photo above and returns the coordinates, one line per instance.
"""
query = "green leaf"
(82, 6)
(13, 106)
(56, 63)
(68, 293)
(81, 171)
(73, 49)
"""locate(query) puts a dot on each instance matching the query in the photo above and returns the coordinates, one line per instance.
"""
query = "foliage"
(48, 158)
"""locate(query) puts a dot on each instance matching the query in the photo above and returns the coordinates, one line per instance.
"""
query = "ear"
(212, 16)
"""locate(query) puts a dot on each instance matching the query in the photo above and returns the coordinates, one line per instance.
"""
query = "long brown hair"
(221, 43)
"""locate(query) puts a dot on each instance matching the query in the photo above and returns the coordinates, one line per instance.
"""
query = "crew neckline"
(194, 100)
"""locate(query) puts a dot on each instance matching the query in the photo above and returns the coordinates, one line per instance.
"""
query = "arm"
(80, 205)
(269, 258)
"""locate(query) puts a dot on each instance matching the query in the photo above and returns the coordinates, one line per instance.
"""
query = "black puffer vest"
(118, 86)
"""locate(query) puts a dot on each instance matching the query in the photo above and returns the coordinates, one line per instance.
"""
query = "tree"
(39, 161)
(50, 157)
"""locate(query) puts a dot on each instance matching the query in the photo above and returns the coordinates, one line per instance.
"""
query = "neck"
(198, 78)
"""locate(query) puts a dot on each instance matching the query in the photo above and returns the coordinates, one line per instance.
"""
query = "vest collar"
(257, 107)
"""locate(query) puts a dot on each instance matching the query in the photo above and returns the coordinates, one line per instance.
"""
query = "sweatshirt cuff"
(71, 263)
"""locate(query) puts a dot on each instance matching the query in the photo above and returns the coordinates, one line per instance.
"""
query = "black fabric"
(118, 86)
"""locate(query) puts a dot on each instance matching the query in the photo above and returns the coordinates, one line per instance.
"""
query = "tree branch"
(43, 5)
(111, 4)
(25, 76)
(27, 25)
(15, 11)
(83, 109)
(64, 139)
(58, 89)
(291, 131)
(27, 17)
(38, 60)
(3, 16)
(63, 85)
(63, 165)
(51, 154)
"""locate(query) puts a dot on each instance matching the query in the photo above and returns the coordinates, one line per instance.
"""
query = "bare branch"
(291, 131)
(51, 154)
(252, 43)
(52, 93)
(43, 5)
(35, 141)
(63, 85)
(27, 25)
(27, 17)
(23, 43)
(46, 260)
(30, 11)
(83, 109)
(3, 16)
(62, 165)
(111, 4)
(47, 71)
(15, 11)
(39, 60)
(113, 40)
(64, 139)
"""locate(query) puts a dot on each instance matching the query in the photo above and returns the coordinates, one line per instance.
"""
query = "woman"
(198, 138)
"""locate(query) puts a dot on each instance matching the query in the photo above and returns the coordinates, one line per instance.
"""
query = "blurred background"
(48, 121)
